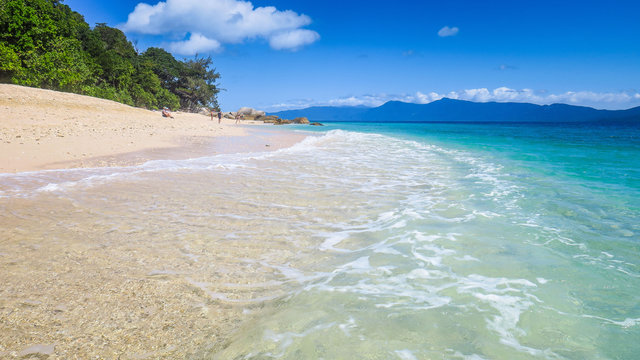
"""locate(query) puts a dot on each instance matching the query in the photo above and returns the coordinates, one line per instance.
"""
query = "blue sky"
(276, 55)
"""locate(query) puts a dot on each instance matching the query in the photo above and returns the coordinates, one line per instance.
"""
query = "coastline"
(75, 287)
(44, 129)
(359, 243)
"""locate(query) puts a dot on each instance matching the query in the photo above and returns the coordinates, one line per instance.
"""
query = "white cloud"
(364, 100)
(293, 39)
(585, 98)
(222, 21)
(607, 100)
(195, 43)
(421, 98)
(448, 31)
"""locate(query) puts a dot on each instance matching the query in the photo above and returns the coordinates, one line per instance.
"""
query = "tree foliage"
(43, 43)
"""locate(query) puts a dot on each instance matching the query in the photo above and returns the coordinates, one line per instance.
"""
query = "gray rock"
(247, 111)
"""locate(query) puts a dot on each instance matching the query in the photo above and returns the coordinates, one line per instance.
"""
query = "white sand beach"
(43, 129)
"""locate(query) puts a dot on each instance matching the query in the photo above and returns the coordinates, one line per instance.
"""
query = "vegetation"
(43, 43)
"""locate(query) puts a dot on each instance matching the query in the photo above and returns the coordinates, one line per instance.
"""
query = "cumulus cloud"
(196, 43)
(293, 39)
(607, 100)
(448, 31)
(220, 21)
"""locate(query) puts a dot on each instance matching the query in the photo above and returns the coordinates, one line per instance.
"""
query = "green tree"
(41, 33)
(9, 63)
(164, 65)
(197, 84)
(27, 25)
(62, 68)
(115, 55)
(43, 43)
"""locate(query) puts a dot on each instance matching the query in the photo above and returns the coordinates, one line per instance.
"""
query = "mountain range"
(450, 110)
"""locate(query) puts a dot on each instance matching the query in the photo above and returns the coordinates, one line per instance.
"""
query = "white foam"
(333, 240)
(405, 354)
(626, 323)
(348, 326)
(510, 299)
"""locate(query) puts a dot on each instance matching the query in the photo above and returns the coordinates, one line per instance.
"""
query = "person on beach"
(219, 116)
(237, 118)
(166, 113)
(211, 114)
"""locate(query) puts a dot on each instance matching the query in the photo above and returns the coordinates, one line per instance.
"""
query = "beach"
(75, 287)
(362, 241)
(43, 129)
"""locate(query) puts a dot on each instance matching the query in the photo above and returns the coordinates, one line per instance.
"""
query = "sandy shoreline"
(91, 278)
(43, 129)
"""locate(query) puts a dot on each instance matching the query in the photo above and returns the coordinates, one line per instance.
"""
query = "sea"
(391, 240)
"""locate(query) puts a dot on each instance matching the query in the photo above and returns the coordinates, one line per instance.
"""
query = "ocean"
(375, 241)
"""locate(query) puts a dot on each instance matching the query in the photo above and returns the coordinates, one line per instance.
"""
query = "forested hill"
(43, 43)
(449, 110)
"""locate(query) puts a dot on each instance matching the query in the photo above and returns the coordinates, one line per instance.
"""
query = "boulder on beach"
(316, 124)
(269, 118)
(247, 111)
(300, 120)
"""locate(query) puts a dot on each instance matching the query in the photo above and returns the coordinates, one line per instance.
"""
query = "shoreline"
(254, 140)
(43, 129)
(92, 276)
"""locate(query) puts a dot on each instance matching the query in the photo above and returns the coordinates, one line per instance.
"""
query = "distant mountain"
(326, 113)
(449, 110)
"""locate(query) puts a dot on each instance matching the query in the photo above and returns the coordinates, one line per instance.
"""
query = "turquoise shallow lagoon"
(387, 241)
(466, 241)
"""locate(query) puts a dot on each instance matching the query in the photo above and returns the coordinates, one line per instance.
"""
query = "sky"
(285, 54)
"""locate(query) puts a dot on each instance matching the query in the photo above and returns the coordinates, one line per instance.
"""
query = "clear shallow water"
(403, 241)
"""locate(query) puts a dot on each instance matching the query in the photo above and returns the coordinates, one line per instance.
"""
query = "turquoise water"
(395, 241)
(468, 241)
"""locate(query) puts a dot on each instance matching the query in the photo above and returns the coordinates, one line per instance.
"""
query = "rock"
(300, 120)
(282, 122)
(204, 111)
(39, 350)
(229, 115)
(247, 111)
(316, 124)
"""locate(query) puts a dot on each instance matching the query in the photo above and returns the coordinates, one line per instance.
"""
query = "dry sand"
(43, 129)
